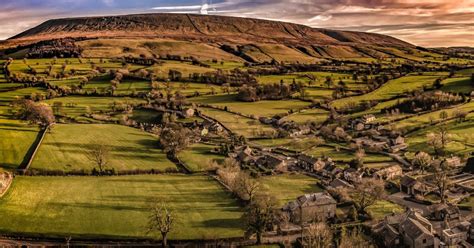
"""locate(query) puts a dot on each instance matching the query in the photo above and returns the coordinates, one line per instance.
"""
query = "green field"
(240, 125)
(65, 148)
(257, 109)
(117, 207)
(288, 187)
(317, 116)
(76, 106)
(15, 142)
(198, 157)
(393, 88)
(461, 85)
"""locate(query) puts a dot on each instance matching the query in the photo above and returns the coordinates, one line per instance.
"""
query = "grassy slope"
(66, 147)
(260, 108)
(198, 157)
(288, 187)
(16, 139)
(117, 206)
(392, 88)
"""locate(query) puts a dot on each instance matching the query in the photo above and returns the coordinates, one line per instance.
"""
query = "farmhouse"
(188, 112)
(389, 173)
(409, 228)
(352, 175)
(311, 207)
(412, 186)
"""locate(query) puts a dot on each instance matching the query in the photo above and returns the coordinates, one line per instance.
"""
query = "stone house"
(352, 175)
(368, 118)
(311, 207)
(188, 112)
(412, 186)
(408, 229)
(389, 173)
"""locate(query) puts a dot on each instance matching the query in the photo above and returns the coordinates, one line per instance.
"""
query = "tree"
(328, 81)
(317, 235)
(246, 186)
(35, 113)
(174, 138)
(422, 160)
(261, 214)
(443, 115)
(161, 220)
(99, 154)
(353, 239)
(439, 140)
(440, 178)
(367, 192)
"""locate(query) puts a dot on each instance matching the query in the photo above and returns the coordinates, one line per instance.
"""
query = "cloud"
(423, 22)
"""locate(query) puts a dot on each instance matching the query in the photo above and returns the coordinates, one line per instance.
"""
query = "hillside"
(214, 28)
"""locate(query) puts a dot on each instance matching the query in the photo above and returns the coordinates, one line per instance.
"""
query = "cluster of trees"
(267, 92)
(427, 101)
(36, 113)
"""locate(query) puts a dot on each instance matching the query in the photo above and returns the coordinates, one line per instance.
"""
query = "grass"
(308, 116)
(198, 157)
(75, 106)
(383, 208)
(288, 187)
(16, 139)
(7, 97)
(345, 156)
(65, 148)
(247, 127)
(459, 85)
(462, 138)
(258, 109)
(117, 207)
(393, 88)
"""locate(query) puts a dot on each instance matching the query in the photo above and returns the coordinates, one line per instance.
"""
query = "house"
(366, 119)
(408, 229)
(455, 234)
(389, 173)
(370, 144)
(453, 161)
(411, 186)
(308, 163)
(311, 207)
(398, 141)
(271, 161)
(339, 183)
(447, 212)
(352, 175)
(188, 112)
(398, 148)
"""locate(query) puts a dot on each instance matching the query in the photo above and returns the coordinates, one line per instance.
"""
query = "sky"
(428, 23)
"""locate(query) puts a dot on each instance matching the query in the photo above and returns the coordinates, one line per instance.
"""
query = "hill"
(215, 28)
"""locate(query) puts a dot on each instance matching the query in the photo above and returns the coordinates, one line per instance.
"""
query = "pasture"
(288, 187)
(65, 148)
(198, 157)
(117, 207)
(15, 142)
(257, 109)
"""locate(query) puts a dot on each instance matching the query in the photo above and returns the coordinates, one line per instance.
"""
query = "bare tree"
(161, 220)
(247, 186)
(174, 138)
(439, 140)
(99, 154)
(35, 113)
(367, 193)
(317, 235)
(261, 214)
(440, 178)
(352, 239)
(422, 160)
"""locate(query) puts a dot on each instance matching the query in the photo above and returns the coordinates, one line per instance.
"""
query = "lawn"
(461, 85)
(198, 157)
(383, 208)
(344, 155)
(258, 109)
(288, 187)
(15, 142)
(393, 88)
(7, 97)
(250, 128)
(65, 148)
(117, 207)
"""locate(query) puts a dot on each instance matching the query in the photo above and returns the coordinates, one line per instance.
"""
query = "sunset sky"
(423, 22)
